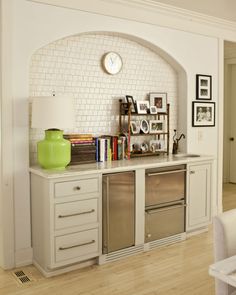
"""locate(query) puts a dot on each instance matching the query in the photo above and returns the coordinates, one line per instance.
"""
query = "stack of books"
(110, 148)
(83, 148)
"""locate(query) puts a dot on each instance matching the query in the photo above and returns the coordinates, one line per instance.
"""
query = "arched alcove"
(72, 66)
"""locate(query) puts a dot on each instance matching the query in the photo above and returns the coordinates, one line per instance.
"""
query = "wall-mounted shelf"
(125, 119)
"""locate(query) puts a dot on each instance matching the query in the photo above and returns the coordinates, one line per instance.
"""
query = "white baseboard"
(23, 257)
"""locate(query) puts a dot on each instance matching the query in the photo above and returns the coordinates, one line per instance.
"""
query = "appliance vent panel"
(167, 241)
(123, 253)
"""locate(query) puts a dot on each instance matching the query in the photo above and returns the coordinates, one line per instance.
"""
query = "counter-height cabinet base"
(66, 217)
(199, 196)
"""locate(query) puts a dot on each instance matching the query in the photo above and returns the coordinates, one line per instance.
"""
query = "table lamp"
(53, 113)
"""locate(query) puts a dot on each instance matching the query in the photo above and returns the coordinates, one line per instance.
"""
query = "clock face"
(112, 63)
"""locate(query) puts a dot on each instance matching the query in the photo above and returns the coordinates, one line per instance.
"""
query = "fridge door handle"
(166, 172)
(153, 211)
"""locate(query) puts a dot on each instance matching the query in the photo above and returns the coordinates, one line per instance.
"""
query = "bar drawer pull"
(77, 188)
(75, 214)
(166, 172)
(78, 245)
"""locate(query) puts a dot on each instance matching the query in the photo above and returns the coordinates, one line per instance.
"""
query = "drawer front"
(70, 188)
(76, 245)
(76, 213)
(162, 223)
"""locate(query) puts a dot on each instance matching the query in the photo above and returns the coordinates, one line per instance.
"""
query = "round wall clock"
(112, 63)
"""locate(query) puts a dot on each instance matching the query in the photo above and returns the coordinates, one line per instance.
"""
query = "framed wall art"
(203, 114)
(203, 87)
(156, 126)
(159, 99)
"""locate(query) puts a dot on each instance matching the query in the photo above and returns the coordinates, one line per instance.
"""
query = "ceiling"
(225, 9)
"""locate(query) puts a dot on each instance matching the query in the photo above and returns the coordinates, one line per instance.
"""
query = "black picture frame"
(131, 101)
(203, 87)
(203, 114)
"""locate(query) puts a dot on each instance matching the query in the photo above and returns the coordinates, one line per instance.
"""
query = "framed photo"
(157, 145)
(153, 110)
(135, 127)
(144, 126)
(203, 87)
(142, 106)
(156, 126)
(130, 100)
(203, 114)
(159, 100)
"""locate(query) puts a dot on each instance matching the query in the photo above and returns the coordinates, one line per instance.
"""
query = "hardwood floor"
(178, 269)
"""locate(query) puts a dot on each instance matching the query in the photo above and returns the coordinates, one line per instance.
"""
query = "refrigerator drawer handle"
(78, 245)
(166, 172)
(153, 211)
(75, 214)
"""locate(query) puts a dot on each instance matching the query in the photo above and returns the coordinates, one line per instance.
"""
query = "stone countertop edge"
(118, 166)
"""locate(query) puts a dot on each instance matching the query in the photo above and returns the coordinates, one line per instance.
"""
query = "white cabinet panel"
(199, 196)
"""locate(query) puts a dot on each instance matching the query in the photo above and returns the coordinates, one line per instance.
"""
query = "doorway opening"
(229, 165)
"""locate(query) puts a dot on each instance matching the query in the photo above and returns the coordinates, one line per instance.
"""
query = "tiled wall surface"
(72, 66)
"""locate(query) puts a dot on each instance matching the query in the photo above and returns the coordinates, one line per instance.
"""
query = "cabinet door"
(199, 196)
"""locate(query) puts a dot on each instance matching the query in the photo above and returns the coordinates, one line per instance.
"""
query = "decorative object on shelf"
(159, 99)
(156, 145)
(53, 113)
(144, 147)
(153, 110)
(135, 127)
(203, 114)
(112, 63)
(130, 100)
(156, 126)
(142, 106)
(176, 142)
(144, 126)
(203, 87)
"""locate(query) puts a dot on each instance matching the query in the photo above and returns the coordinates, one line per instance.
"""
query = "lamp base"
(54, 152)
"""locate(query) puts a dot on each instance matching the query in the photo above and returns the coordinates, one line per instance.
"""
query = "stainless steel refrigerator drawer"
(164, 222)
(165, 185)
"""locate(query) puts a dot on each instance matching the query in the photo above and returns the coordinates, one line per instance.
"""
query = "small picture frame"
(144, 126)
(203, 114)
(156, 145)
(156, 126)
(135, 127)
(142, 106)
(203, 87)
(159, 100)
(130, 100)
(153, 110)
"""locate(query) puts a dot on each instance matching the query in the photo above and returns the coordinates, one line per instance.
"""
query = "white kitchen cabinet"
(198, 196)
(66, 220)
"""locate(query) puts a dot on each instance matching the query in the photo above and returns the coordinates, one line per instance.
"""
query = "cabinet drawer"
(76, 213)
(77, 187)
(76, 245)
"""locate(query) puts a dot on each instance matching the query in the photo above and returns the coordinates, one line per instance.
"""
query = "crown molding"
(182, 13)
(116, 8)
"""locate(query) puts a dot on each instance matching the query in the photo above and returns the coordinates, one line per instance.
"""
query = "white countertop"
(119, 166)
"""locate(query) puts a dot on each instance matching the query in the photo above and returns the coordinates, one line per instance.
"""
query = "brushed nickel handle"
(192, 172)
(78, 245)
(77, 188)
(166, 172)
(75, 214)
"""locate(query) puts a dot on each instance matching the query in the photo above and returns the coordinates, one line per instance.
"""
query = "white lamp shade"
(52, 112)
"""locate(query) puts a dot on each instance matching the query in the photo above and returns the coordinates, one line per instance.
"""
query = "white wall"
(35, 25)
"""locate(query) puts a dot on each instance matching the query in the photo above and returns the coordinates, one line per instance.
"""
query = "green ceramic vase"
(54, 152)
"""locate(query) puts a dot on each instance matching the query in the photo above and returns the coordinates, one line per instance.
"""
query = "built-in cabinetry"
(199, 196)
(66, 216)
(67, 208)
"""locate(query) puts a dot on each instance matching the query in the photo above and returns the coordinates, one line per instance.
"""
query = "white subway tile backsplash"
(72, 66)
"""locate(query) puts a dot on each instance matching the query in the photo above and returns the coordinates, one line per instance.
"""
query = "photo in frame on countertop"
(203, 87)
(153, 110)
(203, 114)
(159, 100)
